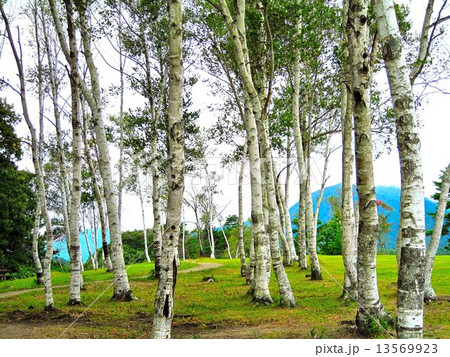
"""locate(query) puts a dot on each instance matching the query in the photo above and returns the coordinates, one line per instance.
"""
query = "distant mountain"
(389, 195)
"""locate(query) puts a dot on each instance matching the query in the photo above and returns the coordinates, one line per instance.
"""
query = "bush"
(329, 237)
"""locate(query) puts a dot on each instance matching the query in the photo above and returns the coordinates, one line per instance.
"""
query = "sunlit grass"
(222, 308)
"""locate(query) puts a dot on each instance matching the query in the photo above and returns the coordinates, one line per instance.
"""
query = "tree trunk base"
(316, 275)
(288, 301)
(124, 296)
(429, 295)
(74, 302)
(243, 271)
(370, 322)
(49, 308)
(264, 300)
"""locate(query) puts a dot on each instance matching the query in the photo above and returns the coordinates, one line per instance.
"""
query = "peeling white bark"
(369, 305)
(164, 300)
(412, 210)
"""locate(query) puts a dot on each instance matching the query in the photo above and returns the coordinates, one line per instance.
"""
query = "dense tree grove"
(109, 93)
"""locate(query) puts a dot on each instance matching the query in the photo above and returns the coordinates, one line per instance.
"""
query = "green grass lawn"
(219, 309)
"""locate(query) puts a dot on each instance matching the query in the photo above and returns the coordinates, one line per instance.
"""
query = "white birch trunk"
(241, 246)
(94, 236)
(436, 235)
(301, 235)
(348, 219)
(298, 140)
(412, 258)
(289, 233)
(226, 240)
(144, 228)
(47, 261)
(164, 300)
(287, 259)
(349, 236)
(74, 245)
(369, 305)
(35, 246)
(86, 238)
(311, 227)
(211, 239)
(122, 289)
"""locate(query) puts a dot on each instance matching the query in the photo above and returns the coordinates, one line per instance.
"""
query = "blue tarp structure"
(61, 246)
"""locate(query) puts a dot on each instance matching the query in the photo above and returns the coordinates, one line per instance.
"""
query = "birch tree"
(236, 29)
(412, 210)
(47, 261)
(369, 304)
(164, 300)
(348, 227)
(122, 289)
(436, 235)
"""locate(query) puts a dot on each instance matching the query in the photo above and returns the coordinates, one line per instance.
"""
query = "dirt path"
(201, 266)
(24, 291)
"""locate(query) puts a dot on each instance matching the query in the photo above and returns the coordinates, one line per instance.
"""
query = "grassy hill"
(219, 309)
(389, 195)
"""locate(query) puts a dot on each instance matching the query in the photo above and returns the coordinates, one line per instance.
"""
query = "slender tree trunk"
(287, 256)
(122, 289)
(348, 220)
(94, 236)
(412, 260)
(436, 235)
(349, 237)
(241, 246)
(226, 240)
(86, 238)
(63, 176)
(288, 227)
(47, 261)
(258, 277)
(35, 246)
(141, 200)
(311, 229)
(298, 140)
(157, 239)
(97, 194)
(369, 305)
(122, 90)
(74, 245)
(301, 235)
(164, 300)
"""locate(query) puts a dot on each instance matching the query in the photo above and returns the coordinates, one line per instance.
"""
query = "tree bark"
(35, 246)
(369, 305)
(348, 217)
(74, 245)
(236, 29)
(348, 220)
(412, 231)
(122, 289)
(144, 228)
(47, 261)
(289, 233)
(298, 140)
(164, 300)
(241, 246)
(98, 196)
